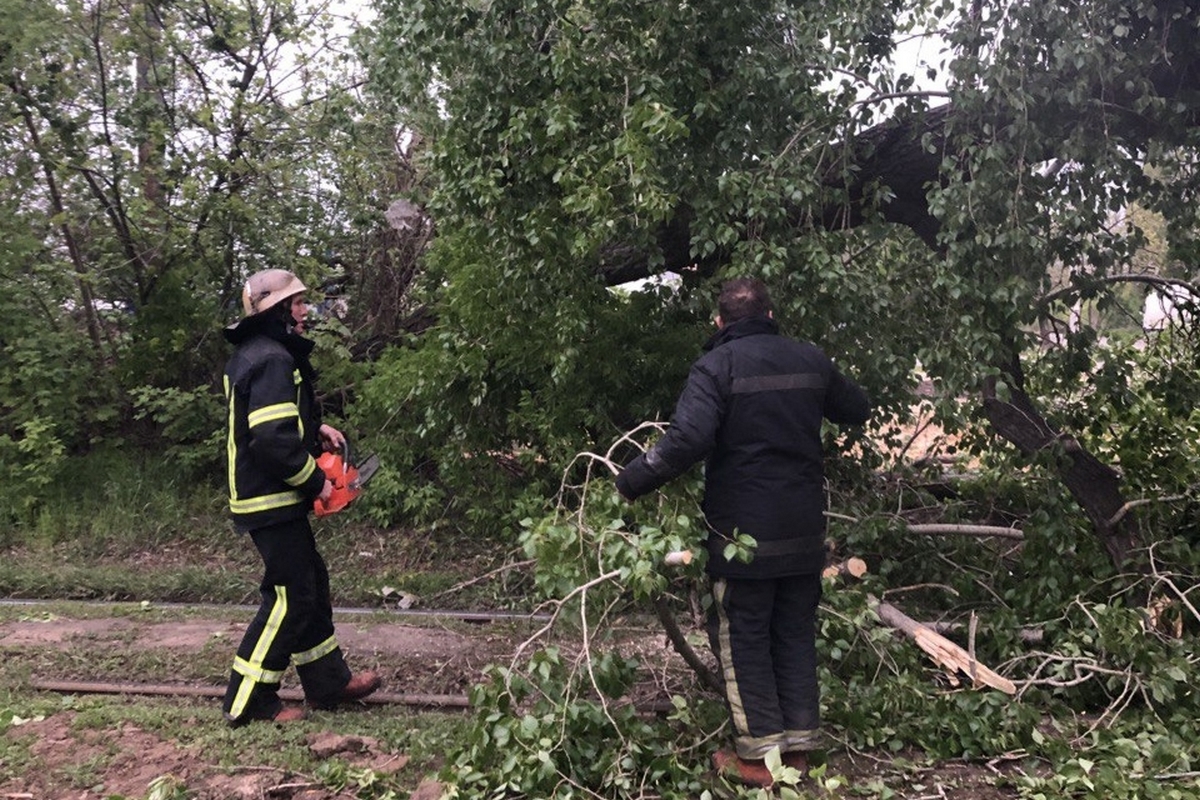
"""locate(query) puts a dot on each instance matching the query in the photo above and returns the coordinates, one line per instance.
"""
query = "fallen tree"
(907, 157)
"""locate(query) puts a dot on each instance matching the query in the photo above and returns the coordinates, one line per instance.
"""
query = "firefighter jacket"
(753, 408)
(273, 424)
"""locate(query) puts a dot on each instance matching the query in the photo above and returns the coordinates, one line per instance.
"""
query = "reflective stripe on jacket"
(753, 407)
(272, 434)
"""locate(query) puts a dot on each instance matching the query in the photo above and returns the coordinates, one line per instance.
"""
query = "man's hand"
(331, 438)
(326, 491)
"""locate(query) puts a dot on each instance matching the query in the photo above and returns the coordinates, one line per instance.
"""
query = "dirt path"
(79, 753)
(122, 759)
(376, 638)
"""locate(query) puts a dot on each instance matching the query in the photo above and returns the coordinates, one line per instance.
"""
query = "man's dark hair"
(741, 298)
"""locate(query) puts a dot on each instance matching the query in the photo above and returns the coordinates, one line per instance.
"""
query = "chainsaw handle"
(341, 477)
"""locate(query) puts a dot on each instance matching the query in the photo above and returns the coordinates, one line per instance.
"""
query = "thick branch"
(683, 647)
(1094, 485)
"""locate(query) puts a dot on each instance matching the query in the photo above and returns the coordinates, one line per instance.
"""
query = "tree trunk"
(1094, 485)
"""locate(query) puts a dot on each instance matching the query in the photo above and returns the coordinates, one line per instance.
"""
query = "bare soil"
(415, 659)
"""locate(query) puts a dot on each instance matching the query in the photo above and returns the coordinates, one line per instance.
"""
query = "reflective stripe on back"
(778, 383)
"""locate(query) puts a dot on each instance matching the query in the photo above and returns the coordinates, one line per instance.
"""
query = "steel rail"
(453, 701)
(415, 613)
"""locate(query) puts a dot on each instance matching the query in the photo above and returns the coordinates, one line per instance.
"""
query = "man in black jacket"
(275, 432)
(753, 407)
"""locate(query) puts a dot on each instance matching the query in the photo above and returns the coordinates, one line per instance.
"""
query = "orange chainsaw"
(348, 477)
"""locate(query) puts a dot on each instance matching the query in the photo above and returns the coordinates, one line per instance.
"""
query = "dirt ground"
(144, 757)
(416, 660)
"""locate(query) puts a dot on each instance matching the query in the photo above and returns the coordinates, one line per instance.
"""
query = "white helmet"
(265, 289)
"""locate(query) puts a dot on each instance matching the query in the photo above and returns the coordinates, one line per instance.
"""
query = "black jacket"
(753, 406)
(273, 424)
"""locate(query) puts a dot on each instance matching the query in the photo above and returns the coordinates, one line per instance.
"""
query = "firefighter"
(275, 432)
(752, 408)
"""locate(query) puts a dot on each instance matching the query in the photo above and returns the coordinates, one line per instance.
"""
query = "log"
(678, 558)
(945, 652)
(968, 530)
(178, 690)
(852, 567)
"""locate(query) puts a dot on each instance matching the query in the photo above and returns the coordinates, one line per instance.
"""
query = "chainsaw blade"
(366, 468)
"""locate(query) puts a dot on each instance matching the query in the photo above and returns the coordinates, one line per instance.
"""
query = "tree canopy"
(981, 254)
(474, 185)
(576, 145)
(154, 154)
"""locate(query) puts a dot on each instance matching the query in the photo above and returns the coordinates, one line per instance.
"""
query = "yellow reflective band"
(733, 695)
(230, 444)
(300, 477)
(323, 649)
(299, 396)
(758, 746)
(248, 670)
(272, 413)
(804, 739)
(265, 503)
(261, 648)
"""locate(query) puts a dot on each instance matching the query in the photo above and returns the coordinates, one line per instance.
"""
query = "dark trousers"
(294, 625)
(763, 633)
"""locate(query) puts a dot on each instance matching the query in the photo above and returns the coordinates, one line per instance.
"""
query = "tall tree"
(165, 150)
(152, 155)
(578, 144)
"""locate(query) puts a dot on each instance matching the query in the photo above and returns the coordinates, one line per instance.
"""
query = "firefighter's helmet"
(267, 288)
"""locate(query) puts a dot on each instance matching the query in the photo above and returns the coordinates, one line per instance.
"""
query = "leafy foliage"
(559, 146)
(154, 154)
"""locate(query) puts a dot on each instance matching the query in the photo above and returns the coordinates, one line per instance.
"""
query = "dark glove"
(627, 493)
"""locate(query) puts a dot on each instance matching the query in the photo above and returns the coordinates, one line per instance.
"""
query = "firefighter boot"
(748, 771)
(797, 760)
(361, 684)
(282, 715)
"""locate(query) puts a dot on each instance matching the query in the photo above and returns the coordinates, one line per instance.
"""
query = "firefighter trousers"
(763, 632)
(294, 625)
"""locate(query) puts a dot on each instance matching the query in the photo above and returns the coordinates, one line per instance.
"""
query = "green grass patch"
(159, 535)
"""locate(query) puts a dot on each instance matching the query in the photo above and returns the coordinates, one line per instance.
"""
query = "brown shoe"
(360, 686)
(284, 714)
(290, 714)
(748, 771)
(796, 759)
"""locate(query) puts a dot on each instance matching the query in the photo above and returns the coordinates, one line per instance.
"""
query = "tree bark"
(684, 648)
(1094, 485)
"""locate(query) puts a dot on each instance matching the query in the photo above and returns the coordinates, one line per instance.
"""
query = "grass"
(153, 537)
(94, 734)
(163, 535)
(98, 725)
